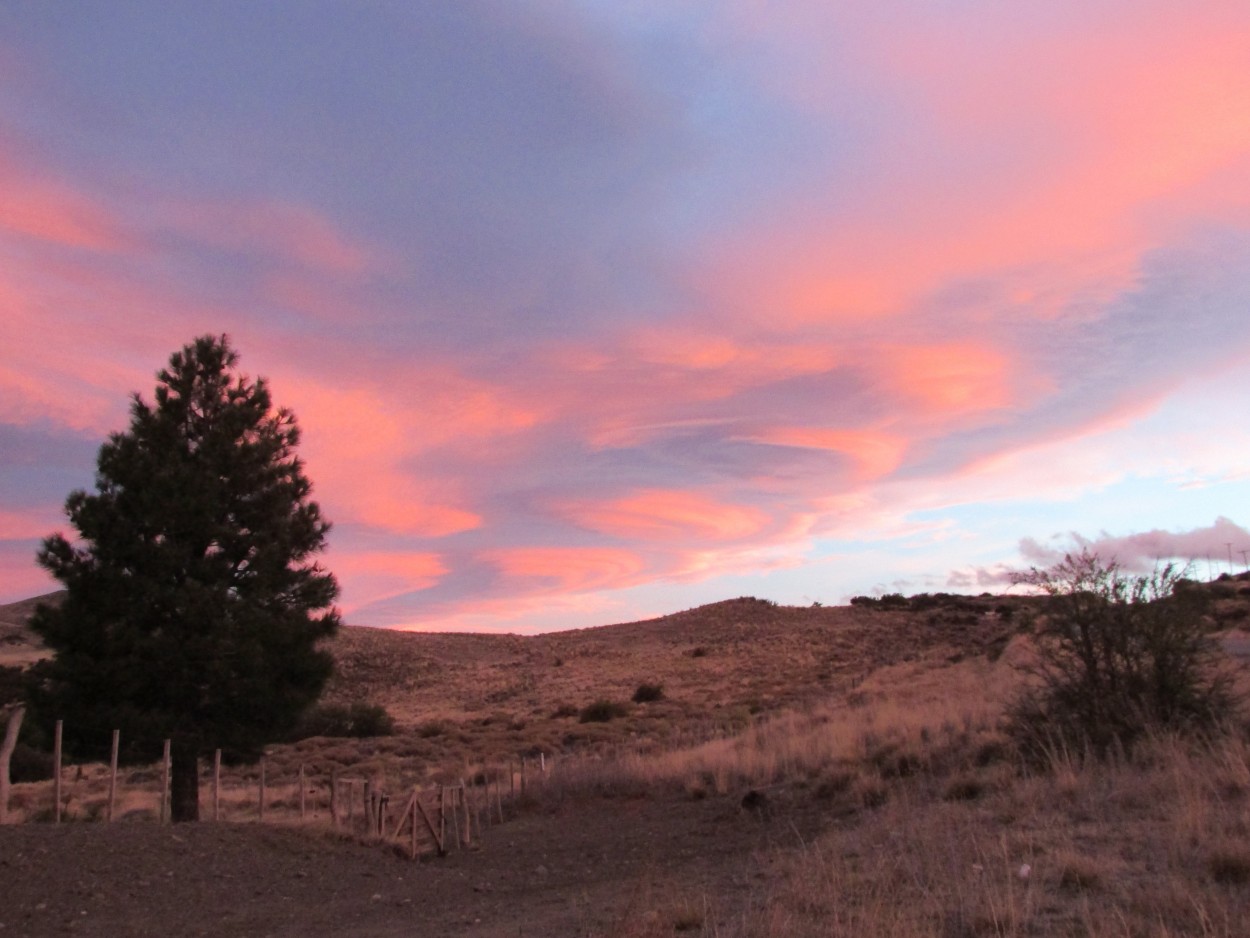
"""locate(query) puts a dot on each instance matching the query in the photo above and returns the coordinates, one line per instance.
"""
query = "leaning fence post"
(117, 735)
(217, 785)
(56, 771)
(13, 727)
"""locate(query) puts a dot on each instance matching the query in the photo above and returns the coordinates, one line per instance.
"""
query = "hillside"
(19, 646)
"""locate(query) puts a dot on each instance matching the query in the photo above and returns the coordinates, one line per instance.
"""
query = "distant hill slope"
(20, 646)
(744, 654)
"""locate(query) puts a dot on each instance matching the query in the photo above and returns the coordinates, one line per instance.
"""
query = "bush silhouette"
(1119, 656)
(601, 711)
(648, 693)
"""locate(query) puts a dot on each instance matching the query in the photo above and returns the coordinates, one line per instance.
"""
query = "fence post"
(442, 815)
(11, 730)
(261, 813)
(165, 783)
(334, 797)
(303, 795)
(464, 803)
(117, 735)
(56, 771)
(217, 785)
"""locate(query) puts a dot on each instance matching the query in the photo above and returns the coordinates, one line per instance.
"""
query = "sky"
(595, 311)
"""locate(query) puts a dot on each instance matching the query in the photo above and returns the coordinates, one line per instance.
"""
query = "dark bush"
(602, 711)
(12, 685)
(1119, 655)
(356, 720)
(648, 693)
(29, 765)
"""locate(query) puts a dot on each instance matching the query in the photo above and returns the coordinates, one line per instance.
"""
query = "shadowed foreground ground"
(587, 870)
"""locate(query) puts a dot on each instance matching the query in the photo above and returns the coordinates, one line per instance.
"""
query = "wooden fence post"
(512, 778)
(117, 735)
(164, 784)
(334, 798)
(442, 816)
(261, 812)
(11, 730)
(522, 775)
(303, 795)
(217, 785)
(464, 803)
(56, 770)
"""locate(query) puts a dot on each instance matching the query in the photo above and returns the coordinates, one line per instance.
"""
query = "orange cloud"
(660, 515)
(950, 379)
(1106, 130)
(570, 568)
(356, 440)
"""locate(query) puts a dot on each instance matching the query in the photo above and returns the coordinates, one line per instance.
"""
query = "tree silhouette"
(193, 609)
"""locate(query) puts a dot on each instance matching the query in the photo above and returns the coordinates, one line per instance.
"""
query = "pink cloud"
(667, 515)
(292, 232)
(33, 206)
(875, 453)
(369, 576)
(569, 569)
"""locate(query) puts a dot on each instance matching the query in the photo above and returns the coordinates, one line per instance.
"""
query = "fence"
(422, 818)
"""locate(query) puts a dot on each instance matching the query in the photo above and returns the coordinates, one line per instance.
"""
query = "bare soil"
(599, 867)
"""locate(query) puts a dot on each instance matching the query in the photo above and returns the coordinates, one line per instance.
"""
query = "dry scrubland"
(881, 796)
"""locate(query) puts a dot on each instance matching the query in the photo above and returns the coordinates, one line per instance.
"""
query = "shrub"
(12, 685)
(1118, 656)
(648, 693)
(357, 720)
(601, 711)
(29, 765)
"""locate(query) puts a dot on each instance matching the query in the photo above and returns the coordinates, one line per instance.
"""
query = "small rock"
(541, 871)
(376, 897)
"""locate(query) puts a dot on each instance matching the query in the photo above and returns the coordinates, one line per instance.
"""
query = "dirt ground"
(590, 869)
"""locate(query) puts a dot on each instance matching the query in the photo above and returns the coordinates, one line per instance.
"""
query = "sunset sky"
(595, 311)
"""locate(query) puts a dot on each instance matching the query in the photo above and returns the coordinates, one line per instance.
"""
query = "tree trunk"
(6, 752)
(184, 783)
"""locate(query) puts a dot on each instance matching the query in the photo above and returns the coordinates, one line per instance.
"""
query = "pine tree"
(193, 609)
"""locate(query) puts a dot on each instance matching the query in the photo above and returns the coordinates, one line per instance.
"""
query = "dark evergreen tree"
(193, 609)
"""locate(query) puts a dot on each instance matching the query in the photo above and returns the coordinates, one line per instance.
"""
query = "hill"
(19, 646)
